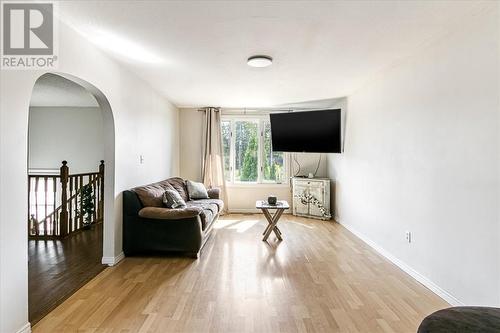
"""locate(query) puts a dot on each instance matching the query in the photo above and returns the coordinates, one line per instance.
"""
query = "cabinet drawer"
(309, 183)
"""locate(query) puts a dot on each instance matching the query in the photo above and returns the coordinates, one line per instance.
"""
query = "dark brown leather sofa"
(462, 319)
(150, 227)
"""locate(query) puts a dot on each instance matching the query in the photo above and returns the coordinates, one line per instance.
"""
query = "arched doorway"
(70, 120)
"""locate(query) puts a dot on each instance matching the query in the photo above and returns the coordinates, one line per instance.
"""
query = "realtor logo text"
(28, 36)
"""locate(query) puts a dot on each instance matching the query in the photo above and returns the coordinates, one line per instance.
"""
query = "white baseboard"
(111, 261)
(25, 329)
(452, 300)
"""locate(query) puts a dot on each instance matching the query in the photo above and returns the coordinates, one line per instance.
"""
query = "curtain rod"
(263, 109)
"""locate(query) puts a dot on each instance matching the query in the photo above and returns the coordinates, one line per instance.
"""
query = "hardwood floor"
(58, 268)
(320, 278)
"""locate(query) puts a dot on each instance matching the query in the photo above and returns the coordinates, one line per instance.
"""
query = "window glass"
(273, 162)
(226, 146)
(246, 151)
(248, 155)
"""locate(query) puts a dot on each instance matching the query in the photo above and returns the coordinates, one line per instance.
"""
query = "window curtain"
(213, 163)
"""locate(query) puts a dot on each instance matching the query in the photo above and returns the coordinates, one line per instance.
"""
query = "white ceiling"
(55, 91)
(195, 52)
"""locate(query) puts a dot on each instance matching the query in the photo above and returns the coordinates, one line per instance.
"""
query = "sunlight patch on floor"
(238, 225)
(244, 225)
(221, 224)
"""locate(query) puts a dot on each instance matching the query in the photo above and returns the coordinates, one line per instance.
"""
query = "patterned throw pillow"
(172, 199)
(196, 190)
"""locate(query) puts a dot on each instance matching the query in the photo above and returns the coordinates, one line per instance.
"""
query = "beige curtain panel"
(213, 163)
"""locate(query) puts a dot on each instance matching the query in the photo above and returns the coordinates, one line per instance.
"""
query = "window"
(248, 155)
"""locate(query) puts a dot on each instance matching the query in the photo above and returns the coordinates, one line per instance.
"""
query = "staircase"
(56, 202)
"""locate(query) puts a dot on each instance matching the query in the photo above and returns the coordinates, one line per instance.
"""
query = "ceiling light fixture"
(260, 61)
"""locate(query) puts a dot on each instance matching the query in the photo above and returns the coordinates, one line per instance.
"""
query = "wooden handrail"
(44, 175)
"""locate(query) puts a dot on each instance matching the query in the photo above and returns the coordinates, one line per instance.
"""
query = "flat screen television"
(306, 131)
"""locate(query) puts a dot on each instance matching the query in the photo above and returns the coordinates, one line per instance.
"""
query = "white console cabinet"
(319, 188)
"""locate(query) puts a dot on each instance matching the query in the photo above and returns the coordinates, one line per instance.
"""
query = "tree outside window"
(246, 151)
(248, 155)
(273, 161)
(226, 146)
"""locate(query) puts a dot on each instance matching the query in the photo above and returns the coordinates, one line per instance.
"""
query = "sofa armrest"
(213, 193)
(131, 203)
(160, 213)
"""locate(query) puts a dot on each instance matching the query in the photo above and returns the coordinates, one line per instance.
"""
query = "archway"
(64, 235)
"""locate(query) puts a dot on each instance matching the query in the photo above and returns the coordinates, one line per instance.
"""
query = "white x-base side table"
(272, 219)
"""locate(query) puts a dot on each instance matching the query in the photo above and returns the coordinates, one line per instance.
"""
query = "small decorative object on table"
(272, 199)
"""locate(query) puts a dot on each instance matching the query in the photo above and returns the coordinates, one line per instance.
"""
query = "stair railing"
(54, 202)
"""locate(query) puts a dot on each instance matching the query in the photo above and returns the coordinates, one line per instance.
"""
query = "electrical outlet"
(408, 236)
(141, 159)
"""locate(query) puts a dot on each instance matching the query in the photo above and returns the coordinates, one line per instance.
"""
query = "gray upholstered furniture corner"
(149, 227)
(462, 319)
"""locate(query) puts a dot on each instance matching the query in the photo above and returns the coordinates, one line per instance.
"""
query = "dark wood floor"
(58, 268)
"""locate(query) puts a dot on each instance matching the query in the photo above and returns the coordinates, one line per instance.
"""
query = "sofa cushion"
(180, 186)
(206, 216)
(196, 190)
(219, 203)
(172, 199)
(209, 210)
(161, 213)
(152, 195)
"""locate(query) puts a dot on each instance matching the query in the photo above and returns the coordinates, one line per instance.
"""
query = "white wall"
(191, 142)
(421, 154)
(240, 197)
(145, 123)
(74, 134)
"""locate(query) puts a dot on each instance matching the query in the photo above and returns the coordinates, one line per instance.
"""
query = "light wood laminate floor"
(320, 278)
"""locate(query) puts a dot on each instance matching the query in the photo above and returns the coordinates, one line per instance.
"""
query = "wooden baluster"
(71, 217)
(89, 184)
(57, 230)
(77, 209)
(54, 206)
(97, 194)
(101, 191)
(95, 178)
(46, 207)
(64, 198)
(80, 222)
(29, 206)
(36, 205)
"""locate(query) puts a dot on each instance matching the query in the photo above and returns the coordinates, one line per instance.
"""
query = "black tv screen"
(306, 131)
